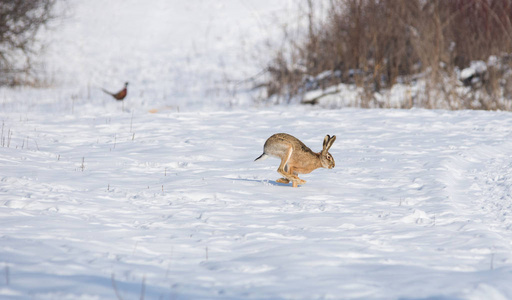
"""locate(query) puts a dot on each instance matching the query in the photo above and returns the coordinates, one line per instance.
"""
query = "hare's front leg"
(295, 183)
(296, 180)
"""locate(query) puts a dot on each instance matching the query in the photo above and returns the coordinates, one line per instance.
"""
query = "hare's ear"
(328, 141)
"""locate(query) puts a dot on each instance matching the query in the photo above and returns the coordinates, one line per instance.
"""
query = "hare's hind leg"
(282, 167)
(287, 171)
(286, 177)
(283, 180)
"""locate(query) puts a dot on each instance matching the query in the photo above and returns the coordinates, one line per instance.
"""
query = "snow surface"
(104, 200)
(417, 206)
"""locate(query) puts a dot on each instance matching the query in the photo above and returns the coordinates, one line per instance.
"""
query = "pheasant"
(119, 95)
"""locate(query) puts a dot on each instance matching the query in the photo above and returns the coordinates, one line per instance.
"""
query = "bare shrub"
(378, 43)
(20, 21)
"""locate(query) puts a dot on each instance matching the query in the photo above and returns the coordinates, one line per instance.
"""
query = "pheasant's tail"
(107, 92)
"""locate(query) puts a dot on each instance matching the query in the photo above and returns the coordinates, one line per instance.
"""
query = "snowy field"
(417, 206)
(105, 200)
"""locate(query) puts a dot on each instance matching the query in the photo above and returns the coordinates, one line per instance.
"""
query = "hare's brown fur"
(297, 158)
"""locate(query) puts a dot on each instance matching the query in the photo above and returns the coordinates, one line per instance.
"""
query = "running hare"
(296, 158)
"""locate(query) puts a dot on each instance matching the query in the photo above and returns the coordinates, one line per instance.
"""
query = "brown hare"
(296, 158)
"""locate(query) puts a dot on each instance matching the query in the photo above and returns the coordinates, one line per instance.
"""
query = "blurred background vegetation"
(459, 49)
(449, 54)
(20, 22)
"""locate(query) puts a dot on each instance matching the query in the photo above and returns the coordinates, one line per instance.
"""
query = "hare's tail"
(262, 157)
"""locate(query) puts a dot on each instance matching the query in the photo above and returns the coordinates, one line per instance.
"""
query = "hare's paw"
(297, 179)
(295, 183)
(283, 180)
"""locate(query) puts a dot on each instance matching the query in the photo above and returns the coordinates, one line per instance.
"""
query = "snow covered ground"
(418, 206)
(104, 200)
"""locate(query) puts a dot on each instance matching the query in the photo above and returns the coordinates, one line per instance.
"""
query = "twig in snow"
(73, 99)
(131, 122)
(143, 288)
(37, 146)
(114, 285)
(6, 275)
